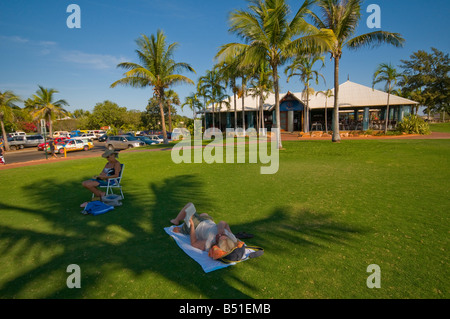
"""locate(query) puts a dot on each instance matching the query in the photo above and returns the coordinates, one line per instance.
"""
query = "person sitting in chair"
(203, 231)
(111, 170)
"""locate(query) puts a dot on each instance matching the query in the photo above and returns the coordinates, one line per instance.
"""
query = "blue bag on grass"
(96, 208)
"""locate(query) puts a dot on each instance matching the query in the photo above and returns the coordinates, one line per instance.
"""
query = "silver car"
(121, 142)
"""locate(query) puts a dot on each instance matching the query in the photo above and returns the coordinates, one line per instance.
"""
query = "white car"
(156, 138)
(121, 142)
(89, 136)
(177, 132)
(74, 144)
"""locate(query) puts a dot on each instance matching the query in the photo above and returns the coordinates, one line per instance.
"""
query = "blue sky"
(37, 47)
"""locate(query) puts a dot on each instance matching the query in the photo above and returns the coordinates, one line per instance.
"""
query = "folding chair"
(114, 183)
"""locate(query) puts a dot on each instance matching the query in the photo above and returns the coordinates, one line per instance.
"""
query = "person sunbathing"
(203, 231)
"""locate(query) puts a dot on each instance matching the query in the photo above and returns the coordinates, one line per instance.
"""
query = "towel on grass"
(200, 256)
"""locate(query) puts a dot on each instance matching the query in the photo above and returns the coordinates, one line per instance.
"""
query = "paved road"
(32, 154)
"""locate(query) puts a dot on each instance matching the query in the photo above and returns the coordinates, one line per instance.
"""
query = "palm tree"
(212, 88)
(328, 93)
(171, 98)
(193, 102)
(341, 18)
(7, 100)
(157, 69)
(261, 86)
(302, 66)
(43, 106)
(229, 71)
(271, 35)
(386, 73)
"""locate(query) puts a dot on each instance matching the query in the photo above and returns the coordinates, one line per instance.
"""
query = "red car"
(57, 140)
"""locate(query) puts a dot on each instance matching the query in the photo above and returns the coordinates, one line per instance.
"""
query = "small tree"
(386, 73)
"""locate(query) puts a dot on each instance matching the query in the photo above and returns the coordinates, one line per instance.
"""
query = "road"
(32, 154)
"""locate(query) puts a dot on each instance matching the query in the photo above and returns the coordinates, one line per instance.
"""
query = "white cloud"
(90, 60)
(14, 38)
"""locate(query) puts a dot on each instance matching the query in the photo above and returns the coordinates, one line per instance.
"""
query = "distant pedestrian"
(52, 145)
(2, 159)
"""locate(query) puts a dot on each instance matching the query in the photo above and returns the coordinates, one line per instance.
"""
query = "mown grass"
(329, 212)
(440, 127)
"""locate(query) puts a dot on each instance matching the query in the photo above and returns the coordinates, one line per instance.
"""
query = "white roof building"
(351, 95)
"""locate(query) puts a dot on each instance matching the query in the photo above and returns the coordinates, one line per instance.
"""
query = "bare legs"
(181, 215)
(92, 186)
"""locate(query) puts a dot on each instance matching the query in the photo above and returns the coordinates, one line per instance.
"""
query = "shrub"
(413, 124)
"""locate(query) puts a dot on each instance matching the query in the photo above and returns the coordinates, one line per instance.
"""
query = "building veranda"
(361, 108)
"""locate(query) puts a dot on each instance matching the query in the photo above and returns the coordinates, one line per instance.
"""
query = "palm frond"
(375, 39)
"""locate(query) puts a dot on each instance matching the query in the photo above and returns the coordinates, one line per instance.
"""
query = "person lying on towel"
(204, 233)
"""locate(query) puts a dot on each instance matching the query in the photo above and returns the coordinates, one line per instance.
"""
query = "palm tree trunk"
(50, 125)
(5, 137)
(326, 115)
(387, 111)
(170, 118)
(261, 110)
(307, 111)
(235, 111)
(336, 136)
(243, 105)
(277, 104)
(163, 120)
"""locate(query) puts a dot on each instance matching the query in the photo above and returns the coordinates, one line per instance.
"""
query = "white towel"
(208, 264)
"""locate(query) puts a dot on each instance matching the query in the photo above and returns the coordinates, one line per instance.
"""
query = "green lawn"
(440, 127)
(329, 212)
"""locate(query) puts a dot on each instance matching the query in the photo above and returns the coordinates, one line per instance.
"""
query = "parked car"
(33, 140)
(89, 136)
(16, 142)
(103, 138)
(147, 140)
(61, 134)
(156, 138)
(21, 141)
(122, 142)
(58, 140)
(73, 144)
(177, 132)
(17, 134)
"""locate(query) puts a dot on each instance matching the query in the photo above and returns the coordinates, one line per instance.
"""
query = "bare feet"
(175, 222)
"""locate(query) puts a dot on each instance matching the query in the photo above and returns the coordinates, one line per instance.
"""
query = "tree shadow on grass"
(131, 239)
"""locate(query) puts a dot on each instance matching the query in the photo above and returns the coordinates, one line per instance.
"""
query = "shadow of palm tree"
(131, 239)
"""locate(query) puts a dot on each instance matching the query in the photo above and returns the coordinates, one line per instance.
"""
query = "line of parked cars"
(120, 142)
(21, 141)
(84, 141)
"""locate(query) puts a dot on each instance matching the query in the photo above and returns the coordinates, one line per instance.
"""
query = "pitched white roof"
(356, 95)
(350, 95)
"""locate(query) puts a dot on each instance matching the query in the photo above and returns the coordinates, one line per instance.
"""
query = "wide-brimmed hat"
(109, 153)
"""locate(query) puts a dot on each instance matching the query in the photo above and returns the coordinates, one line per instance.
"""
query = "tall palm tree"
(43, 106)
(7, 100)
(157, 69)
(386, 73)
(261, 86)
(229, 71)
(269, 34)
(328, 93)
(193, 102)
(341, 18)
(303, 67)
(212, 88)
(172, 98)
